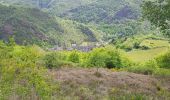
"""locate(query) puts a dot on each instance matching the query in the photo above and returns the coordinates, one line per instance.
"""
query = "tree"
(158, 13)
(97, 59)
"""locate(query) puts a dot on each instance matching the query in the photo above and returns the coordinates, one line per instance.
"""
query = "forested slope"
(33, 26)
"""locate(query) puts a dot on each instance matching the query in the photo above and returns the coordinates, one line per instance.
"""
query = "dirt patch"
(109, 80)
(165, 82)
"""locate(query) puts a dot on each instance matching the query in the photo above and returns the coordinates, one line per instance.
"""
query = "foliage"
(115, 59)
(74, 57)
(24, 76)
(101, 20)
(80, 10)
(51, 60)
(97, 58)
(158, 12)
(151, 67)
(147, 68)
(140, 56)
(34, 26)
(24, 69)
(162, 72)
(108, 57)
(164, 60)
(103, 11)
(154, 43)
(21, 73)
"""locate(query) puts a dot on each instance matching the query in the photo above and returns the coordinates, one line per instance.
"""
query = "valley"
(84, 50)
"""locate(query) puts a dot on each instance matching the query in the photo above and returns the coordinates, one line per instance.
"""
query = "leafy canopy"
(158, 13)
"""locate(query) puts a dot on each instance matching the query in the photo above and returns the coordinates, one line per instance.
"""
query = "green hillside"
(79, 21)
(97, 11)
(105, 11)
(32, 26)
(30, 3)
(115, 18)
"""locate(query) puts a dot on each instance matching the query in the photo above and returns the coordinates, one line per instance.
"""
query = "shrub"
(21, 76)
(136, 45)
(150, 67)
(108, 57)
(52, 60)
(114, 59)
(97, 58)
(147, 68)
(117, 58)
(84, 59)
(164, 60)
(27, 54)
(141, 69)
(162, 72)
(144, 47)
(126, 46)
(74, 57)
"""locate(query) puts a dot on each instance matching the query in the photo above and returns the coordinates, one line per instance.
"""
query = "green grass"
(155, 48)
(140, 56)
(155, 43)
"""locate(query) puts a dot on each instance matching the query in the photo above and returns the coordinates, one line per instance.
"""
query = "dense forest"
(84, 49)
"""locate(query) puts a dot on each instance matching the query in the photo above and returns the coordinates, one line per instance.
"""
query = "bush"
(164, 60)
(108, 57)
(53, 60)
(114, 59)
(74, 57)
(144, 47)
(147, 68)
(57, 60)
(162, 72)
(97, 58)
(21, 75)
(136, 45)
(126, 46)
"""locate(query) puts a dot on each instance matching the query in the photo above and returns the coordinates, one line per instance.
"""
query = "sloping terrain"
(105, 11)
(57, 6)
(85, 83)
(32, 26)
(98, 11)
(30, 3)
(115, 18)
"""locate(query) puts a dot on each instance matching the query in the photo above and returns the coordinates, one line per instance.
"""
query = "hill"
(97, 11)
(33, 26)
(103, 11)
(114, 18)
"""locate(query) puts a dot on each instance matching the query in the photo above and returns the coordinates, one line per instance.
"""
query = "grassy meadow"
(140, 56)
(153, 48)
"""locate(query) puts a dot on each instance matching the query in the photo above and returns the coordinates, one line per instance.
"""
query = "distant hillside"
(58, 5)
(105, 11)
(29, 3)
(115, 18)
(32, 26)
(98, 11)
